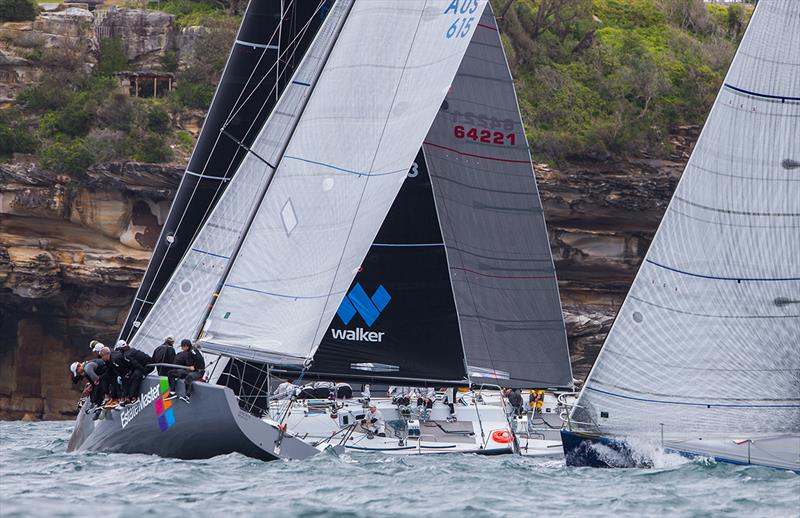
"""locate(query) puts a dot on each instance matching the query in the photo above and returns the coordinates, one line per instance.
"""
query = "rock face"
(144, 34)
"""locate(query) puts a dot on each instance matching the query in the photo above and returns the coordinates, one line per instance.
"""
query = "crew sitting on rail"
(401, 396)
(96, 346)
(164, 353)
(138, 364)
(374, 423)
(324, 389)
(344, 391)
(195, 369)
(425, 397)
(285, 390)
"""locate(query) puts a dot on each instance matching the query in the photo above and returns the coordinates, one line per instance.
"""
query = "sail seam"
(757, 94)
(462, 153)
(687, 403)
(713, 277)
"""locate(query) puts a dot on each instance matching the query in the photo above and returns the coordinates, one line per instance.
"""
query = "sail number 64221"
(485, 136)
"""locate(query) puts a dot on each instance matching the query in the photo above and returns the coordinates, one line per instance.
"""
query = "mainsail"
(180, 308)
(253, 79)
(379, 91)
(399, 319)
(706, 342)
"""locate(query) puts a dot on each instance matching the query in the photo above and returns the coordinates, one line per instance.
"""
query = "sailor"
(344, 391)
(138, 363)
(191, 358)
(450, 401)
(515, 402)
(285, 390)
(425, 396)
(164, 353)
(536, 400)
(96, 372)
(118, 376)
(96, 346)
(373, 422)
(401, 396)
(324, 389)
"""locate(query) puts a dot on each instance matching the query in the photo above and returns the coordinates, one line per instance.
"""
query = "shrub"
(151, 147)
(15, 136)
(108, 145)
(112, 57)
(158, 120)
(71, 157)
(17, 10)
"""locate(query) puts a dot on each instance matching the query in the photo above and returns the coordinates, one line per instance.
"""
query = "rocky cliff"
(72, 249)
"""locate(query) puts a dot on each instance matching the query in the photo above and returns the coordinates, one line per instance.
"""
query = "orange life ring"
(501, 436)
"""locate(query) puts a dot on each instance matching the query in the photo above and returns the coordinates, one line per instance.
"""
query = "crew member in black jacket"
(138, 363)
(191, 358)
(165, 353)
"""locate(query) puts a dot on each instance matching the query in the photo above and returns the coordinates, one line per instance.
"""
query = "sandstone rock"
(64, 28)
(142, 32)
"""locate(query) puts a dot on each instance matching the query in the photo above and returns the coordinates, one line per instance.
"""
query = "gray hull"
(213, 424)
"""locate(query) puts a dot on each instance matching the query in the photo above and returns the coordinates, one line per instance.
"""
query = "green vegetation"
(190, 13)
(602, 77)
(17, 10)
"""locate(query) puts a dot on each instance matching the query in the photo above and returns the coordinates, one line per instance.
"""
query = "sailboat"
(703, 357)
(459, 286)
(263, 269)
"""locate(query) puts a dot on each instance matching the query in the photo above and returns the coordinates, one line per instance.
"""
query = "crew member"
(164, 353)
(139, 367)
(97, 372)
(373, 422)
(425, 397)
(324, 389)
(196, 368)
(96, 346)
(285, 390)
(401, 396)
(344, 391)
(118, 377)
(536, 400)
(450, 401)
(515, 402)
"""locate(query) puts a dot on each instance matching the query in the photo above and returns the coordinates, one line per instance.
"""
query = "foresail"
(251, 83)
(492, 221)
(707, 340)
(180, 309)
(398, 320)
(379, 92)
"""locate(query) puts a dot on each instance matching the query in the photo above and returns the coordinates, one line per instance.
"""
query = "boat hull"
(587, 450)
(212, 424)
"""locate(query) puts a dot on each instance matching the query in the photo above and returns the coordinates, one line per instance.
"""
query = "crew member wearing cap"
(196, 368)
(97, 371)
(96, 346)
(165, 353)
(138, 363)
(373, 422)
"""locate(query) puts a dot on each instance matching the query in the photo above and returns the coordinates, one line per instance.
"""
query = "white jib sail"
(367, 117)
(183, 303)
(708, 340)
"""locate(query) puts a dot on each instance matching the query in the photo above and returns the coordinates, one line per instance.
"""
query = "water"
(38, 478)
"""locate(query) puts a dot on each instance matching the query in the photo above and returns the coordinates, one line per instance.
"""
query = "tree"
(17, 10)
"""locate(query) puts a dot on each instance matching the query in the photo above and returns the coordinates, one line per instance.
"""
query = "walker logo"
(370, 308)
(166, 417)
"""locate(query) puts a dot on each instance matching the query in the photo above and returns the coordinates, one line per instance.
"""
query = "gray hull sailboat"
(703, 357)
(260, 274)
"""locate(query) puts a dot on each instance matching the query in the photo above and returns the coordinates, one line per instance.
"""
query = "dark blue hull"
(594, 451)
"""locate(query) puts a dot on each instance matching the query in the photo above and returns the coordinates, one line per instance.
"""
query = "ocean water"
(38, 478)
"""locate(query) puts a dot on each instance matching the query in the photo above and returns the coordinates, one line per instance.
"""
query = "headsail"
(706, 341)
(498, 251)
(379, 92)
(180, 309)
(398, 320)
(252, 82)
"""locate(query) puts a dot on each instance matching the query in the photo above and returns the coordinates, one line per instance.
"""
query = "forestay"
(180, 309)
(378, 94)
(707, 339)
(498, 251)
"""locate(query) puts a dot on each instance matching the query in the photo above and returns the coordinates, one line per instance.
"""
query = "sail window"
(288, 217)
(637, 317)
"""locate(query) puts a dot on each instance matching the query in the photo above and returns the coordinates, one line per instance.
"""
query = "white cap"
(97, 347)
(74, 368)
(121, 344)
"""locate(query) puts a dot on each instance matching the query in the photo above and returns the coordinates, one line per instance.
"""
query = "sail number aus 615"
(461, 26)
(485, 136)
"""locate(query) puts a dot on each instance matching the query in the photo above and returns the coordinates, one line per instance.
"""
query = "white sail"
(378, 94)
(708, 339)
(182, 305)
